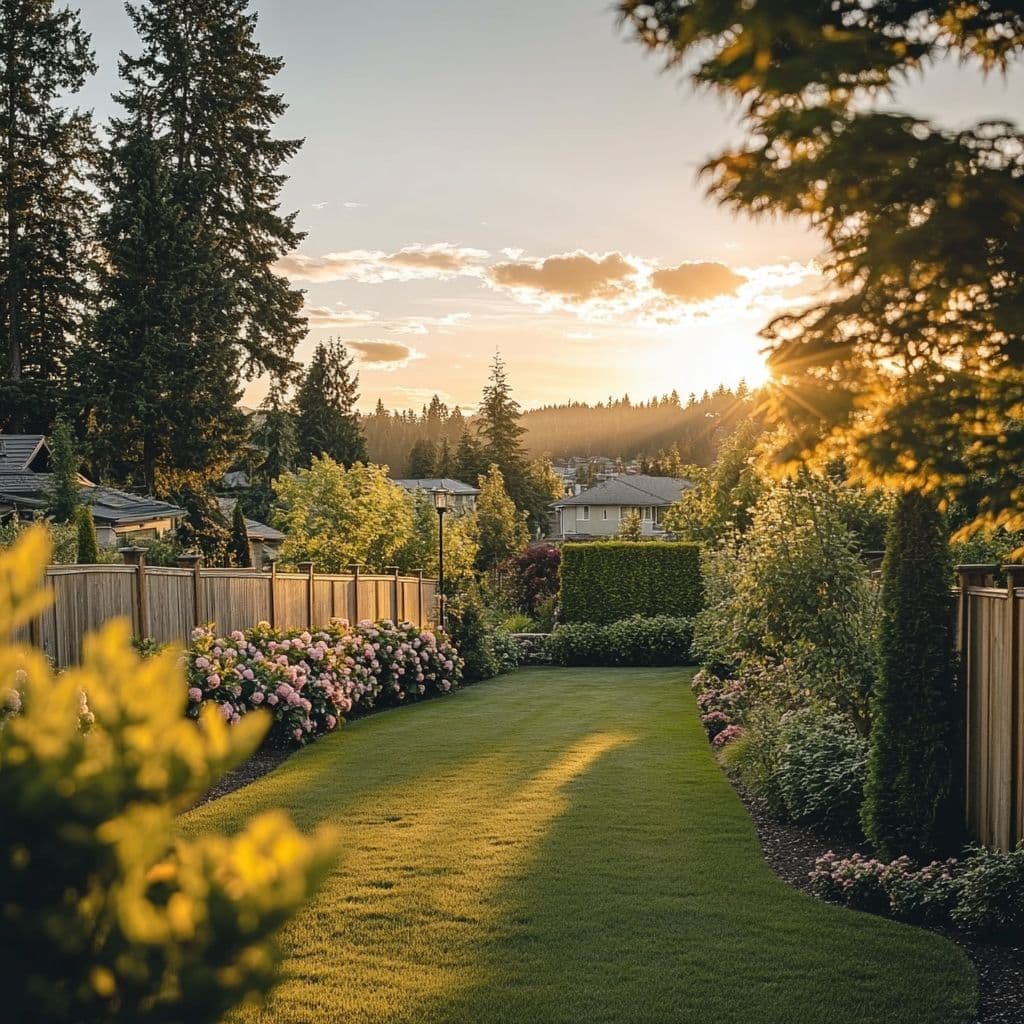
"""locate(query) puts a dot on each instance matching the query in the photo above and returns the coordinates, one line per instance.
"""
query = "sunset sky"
(516, 175)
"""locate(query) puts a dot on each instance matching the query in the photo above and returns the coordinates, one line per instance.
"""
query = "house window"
(648, 513)
(585, 513)
(604, 514)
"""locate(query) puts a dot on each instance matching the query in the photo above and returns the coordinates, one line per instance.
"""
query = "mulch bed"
(265, 760)
(791, 851)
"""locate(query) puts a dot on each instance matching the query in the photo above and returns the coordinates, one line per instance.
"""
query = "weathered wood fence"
(991, 640)
(168, 603)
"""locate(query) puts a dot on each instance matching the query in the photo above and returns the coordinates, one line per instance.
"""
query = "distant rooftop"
(19, 451)
(629, 489)
(436, 483)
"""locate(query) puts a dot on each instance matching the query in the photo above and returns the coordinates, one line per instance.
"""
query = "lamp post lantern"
(441, 496)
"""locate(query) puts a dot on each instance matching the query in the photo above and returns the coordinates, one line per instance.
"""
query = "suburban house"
(599, 510)
(264, 541)
(462, 498)
(121, 518)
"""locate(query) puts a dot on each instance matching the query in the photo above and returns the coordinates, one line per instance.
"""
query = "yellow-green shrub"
(106, 913)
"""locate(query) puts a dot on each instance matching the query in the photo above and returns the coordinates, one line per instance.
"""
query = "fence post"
(273, 592)
(137, 557)
(969, 576)
(194, 562)
(396, 615)
(354, 568)
(307, 568)
(419, 598)
(1015, 579)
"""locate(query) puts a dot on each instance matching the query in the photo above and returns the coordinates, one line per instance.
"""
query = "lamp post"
(441, 496)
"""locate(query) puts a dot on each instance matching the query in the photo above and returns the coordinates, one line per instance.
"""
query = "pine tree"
(88, 544)
(273, 436)
(161, 366)
(327, 422)
(501, 433)
(422, 460)
(444, 463)
(201, 83)
(239, 551)
(46, 155)
(470, 461)
(63, 496)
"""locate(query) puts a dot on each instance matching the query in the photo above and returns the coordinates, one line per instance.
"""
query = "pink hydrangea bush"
(309, 681)
(12, 703)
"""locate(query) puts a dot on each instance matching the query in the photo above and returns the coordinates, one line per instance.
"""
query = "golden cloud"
(577, 275)
(383, 355)
(697, 282)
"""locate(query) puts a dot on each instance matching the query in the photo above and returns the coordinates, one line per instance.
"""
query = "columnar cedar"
(88, 543)
(239, 550)
(326, 419)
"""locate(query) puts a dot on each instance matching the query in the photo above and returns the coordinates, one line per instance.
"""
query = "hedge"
(633, 642)
(605, 582)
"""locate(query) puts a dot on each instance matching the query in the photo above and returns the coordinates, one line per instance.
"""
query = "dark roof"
(435, 483)
(629, 489)
(118, 507)
(254, 529)
(18, 450)
(20, 501)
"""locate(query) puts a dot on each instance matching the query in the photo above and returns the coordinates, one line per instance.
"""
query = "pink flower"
(194, 694)
(271, 699)
(213, 681)
(226, 712)
(202, 663)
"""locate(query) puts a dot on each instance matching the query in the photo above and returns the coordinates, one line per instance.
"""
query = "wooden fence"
(991, 640)
(167, 604)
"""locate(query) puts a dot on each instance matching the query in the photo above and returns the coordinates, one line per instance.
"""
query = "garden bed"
(791, 851)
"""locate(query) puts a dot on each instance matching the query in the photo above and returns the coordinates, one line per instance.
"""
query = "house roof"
(254, 529)
(629, 489)
(120, 508)
(435, 483)
(18, 450)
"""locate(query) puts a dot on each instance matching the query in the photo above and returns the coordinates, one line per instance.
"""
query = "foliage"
(470, 460)
(335, 517)
(917, 375)
(63, 496)
(535, 576)
(423, 459)
(472, 634)
(420, 551)
(239, 549)
(160, 371)
(796, 591)
(631, 527)
(88, 545)
(603, 582)
(201, 86)
(274, 443)
(47, 154)
(912, 798)
(325, 407)
(506, 650)
(632, 643)
(501, 527)
(545, 613)
(518, 623)
(204, 528)
(500, 433)
(541, 486)
(983, 894)
(62, 537)
(822, 766)
(106, 913)
(309, 680)
(720, 502)
(990, 894)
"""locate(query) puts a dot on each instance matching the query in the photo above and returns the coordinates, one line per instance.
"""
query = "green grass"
(560, 846)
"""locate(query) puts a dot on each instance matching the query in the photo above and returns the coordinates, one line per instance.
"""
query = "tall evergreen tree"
(63, 496)
(88, 543)
(161, 369)
(327, 422)
(273, 437)
(444, 463)
(501, 526)
(501, 433)
(470, 461)
(239, 551)
(423, 459)
(202, 83)
(46, 154)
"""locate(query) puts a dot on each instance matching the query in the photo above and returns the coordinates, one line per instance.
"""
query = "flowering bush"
(309, 680)
(632, 642)
(535, 576)
(727, 735)
(856, 881)
(12, 704)
(721, 706)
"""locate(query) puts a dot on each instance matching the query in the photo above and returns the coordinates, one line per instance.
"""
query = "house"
(264, 541)
(121, 518)
(462, 497)
(599, 510)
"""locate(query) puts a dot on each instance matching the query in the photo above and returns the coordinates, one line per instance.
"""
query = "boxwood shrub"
(604, 582)
(636, 641)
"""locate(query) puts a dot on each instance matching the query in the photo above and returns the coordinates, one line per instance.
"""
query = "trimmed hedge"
(633, 642)
(605, 582)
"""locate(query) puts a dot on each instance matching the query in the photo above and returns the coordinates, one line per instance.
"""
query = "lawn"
(559, 846)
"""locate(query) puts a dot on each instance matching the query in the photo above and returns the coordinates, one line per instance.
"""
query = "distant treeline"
(661, 429)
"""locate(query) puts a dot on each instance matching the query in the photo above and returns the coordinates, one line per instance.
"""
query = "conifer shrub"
(912, 800)
(107, 913)
(88, 544)
(603, 582)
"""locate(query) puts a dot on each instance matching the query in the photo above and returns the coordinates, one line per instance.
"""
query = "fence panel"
(162, 602)
(991, 636)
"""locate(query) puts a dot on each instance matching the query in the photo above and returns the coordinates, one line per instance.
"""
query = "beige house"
(462, 496)
(600, 510)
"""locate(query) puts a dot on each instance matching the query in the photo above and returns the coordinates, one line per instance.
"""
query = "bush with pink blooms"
(308, 680)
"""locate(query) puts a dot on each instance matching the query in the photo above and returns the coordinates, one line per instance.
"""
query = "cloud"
(383, 355)
(577, 275)
(353, 206)
(438, 261)
(339, 315)
(512, 253)
(697, 282)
